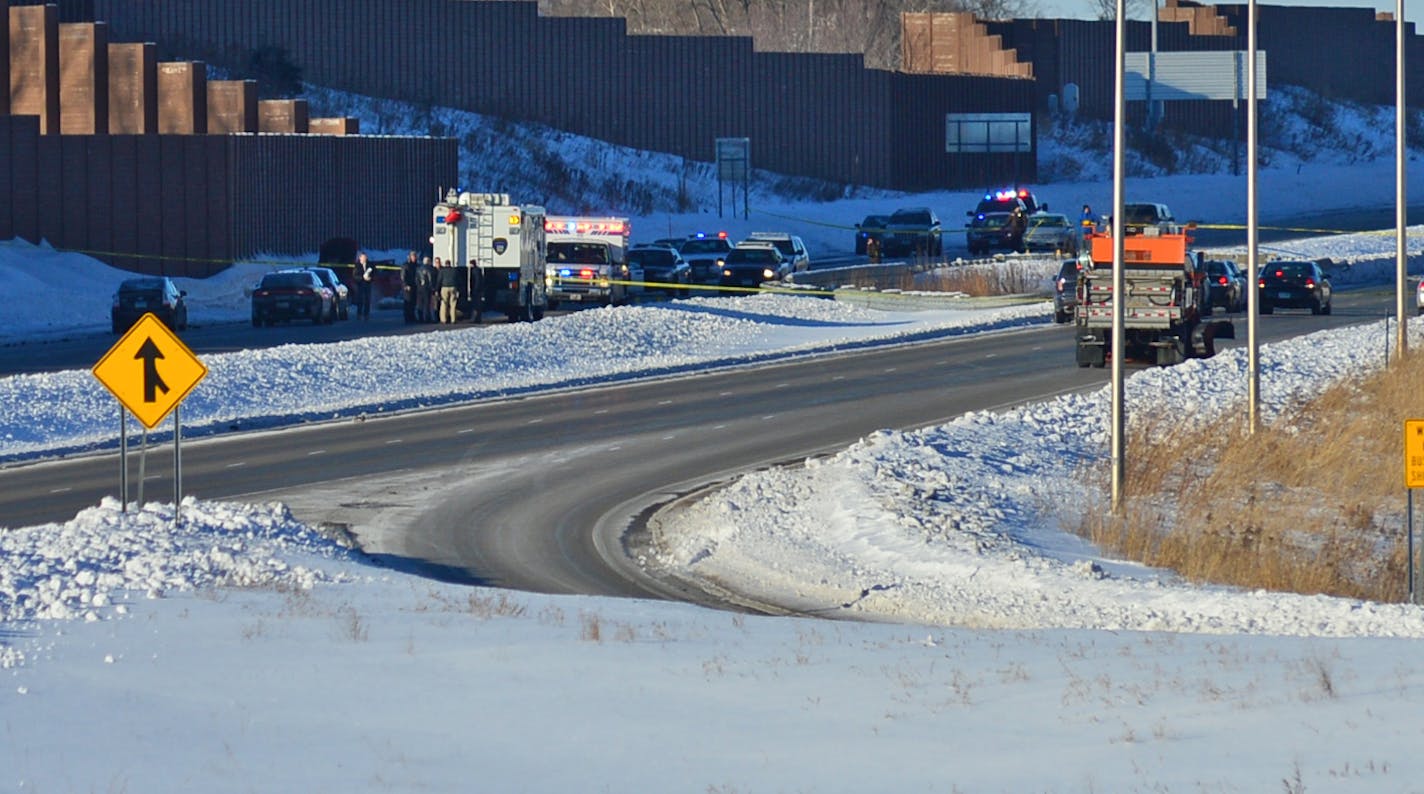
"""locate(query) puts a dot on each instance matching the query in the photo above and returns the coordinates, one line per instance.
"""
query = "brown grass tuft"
(1314, 503)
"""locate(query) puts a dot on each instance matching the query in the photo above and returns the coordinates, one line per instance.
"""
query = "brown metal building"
(819, 115)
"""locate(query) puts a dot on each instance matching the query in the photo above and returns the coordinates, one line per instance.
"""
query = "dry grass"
(977, 280)
(1314, 503)
(1003, 278)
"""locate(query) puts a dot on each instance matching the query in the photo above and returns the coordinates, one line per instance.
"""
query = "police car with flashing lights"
(705, 254)
(1007, 200)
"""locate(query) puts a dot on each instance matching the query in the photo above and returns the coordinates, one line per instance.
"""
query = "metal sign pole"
(142, 463)
(1409, 542)
(177, 466)
(123, 459)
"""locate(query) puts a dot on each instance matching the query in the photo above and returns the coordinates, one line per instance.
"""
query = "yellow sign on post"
(1414, 453)
(150, 370)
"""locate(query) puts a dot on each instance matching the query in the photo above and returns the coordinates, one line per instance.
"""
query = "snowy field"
(982, 648)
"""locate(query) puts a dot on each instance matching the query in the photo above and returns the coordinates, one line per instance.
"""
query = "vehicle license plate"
(1285, 296)
(283, 304)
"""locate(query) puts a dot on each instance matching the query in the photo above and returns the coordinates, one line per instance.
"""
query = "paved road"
(536, 493)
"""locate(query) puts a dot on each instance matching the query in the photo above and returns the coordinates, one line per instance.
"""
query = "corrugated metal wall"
(188, 205)
(1339, 53)
(816, 115)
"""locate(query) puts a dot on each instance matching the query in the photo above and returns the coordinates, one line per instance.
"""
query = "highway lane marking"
(534, 421)
(719, 427)
(665, 402)
(600, 411)
(395, 441)
(316, 452)
(466, 430)
(991, 355)
(890, 369)
(768, 416)
(235, 465)
(725, 394)
(782, 385)
(60, 490)
(838, 377)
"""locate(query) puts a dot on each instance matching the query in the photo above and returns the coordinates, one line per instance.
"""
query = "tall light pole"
(1253, 265)
(1119, 424)
(1401, 202)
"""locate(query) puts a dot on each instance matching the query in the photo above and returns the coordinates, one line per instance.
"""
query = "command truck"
(505, 240)
(1165, 304)
(588, 259)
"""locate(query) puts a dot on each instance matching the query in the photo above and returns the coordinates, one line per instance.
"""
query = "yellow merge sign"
(150, 370)
(1414, 453)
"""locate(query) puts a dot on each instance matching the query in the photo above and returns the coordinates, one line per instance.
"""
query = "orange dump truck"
(1165, 306)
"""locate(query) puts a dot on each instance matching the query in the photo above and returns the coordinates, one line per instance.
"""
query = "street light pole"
(1116, 228)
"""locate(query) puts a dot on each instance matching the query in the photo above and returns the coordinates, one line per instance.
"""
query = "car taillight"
(1310, 283)
(1221, 280)
(1261, 283)
(262, 293)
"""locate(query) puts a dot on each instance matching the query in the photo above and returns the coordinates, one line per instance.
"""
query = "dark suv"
(663, 268)
(156, 294)
(995, 231)
(913, 230)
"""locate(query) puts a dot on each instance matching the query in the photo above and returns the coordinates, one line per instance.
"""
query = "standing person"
(408, 284)
(449, 280)
(435, 290)
(424, 286)
(1089, 221)
(364, 274)
(476, 290)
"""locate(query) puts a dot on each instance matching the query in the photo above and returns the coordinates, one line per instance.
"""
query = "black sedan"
(1225, 284)
(751, 265)
(292, 295)
(1294, 285)
(156, 294)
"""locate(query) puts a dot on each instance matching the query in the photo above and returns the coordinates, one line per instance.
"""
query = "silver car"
(1050, 231)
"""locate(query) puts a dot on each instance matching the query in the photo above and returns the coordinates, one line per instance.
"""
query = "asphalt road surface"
(537, 493)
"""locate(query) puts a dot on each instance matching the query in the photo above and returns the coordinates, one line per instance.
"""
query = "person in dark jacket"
(424, 291)
(409, 278)
(364, 273)
(476, 290)
(448, 277)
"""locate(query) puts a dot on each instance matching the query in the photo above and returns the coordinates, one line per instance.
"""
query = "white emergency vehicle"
(588, 260)
(507, 242)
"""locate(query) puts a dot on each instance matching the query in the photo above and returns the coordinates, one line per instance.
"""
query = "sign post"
(734, 157)
(1413, 478)
(150, 371)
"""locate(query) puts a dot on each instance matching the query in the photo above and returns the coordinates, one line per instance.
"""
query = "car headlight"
(768, 273)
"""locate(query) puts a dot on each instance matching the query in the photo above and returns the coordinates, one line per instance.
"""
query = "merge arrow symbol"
(150, 354)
